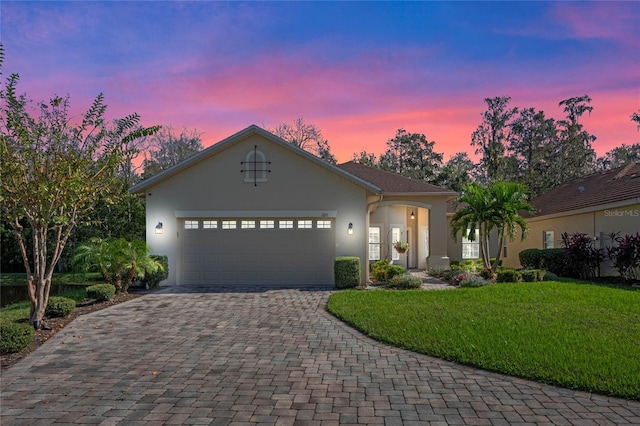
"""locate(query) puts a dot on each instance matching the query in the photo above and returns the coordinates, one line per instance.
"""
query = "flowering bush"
(463, 276)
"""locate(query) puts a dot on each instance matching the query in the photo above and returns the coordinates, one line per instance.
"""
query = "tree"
(457, 173)
(411, 155)
(119, 261)
(306, 136)
(491, 136)
(492, 208)
(619, 156)
(366, 158)
(166, 149)
(635, 117)
(53, 171)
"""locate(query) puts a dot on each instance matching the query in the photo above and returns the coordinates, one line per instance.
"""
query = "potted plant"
(400, 246)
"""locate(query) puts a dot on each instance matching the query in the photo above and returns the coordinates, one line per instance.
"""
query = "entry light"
(413, 216)
(159, 229)
(350, 229)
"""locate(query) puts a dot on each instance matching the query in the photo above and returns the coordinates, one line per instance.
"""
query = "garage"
(266, 251)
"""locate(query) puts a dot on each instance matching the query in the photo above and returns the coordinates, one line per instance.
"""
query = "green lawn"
(574, 335)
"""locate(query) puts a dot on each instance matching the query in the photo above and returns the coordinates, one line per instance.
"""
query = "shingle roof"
(620, 184)
(391, 182)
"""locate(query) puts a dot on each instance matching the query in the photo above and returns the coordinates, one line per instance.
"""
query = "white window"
(374, 243)
(209, 224)
(547, 239)
(228, 224)
(255, 166)
(248, 224)
(305, 224)
(190, 224)
(471, 249)
(285, 224)
(323, 224)
(267, 224)
(395, 237)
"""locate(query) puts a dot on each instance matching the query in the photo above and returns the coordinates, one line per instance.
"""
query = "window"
(471, 249)
(305, 224)
(285, 224)
(323, 224)
(395, 237)
(228, 224)
(209, 224)
(255, 166)
(374, 243)
(547, 239)
(190, 224)
(267, 224)
(248, 224)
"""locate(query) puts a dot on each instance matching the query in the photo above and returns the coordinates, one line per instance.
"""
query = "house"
(254, 209)
(596, 205)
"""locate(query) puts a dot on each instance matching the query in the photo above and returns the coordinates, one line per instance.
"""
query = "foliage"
(411, 155)
(530, 258)
(58, 306)
(457, 172)
(405, 282)
(153, 279)
(166, 149)
(306, 136)
(583, 258)
(532, 275)
(549, 276)
(101, 292)
(625, 254)
(573, 335)
(15, 337)
(508, 276)
(461, 277)
(383, 270)
(347, 272)
(474, 281)
(53, 173)
(118, 260)
(487, 274)
(401, 246)
(495, 207)
(619, 156)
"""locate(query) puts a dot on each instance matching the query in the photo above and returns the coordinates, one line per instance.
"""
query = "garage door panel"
(260, 256)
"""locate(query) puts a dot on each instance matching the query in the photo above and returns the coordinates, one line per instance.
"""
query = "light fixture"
(159, 229)
(413, 216)
(350, 229)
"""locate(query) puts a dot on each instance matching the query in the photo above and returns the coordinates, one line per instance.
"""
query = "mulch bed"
(57, 324)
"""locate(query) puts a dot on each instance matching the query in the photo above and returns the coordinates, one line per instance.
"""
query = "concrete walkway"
(265, 357)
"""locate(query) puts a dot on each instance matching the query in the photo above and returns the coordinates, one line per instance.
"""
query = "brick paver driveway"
(269, 357)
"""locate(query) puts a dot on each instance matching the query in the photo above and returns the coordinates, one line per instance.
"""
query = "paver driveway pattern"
(265, 357)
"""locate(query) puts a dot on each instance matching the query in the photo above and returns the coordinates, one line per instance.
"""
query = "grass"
(18, 312)
(577, 336)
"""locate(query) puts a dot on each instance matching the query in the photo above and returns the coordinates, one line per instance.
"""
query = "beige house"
(597, 205)
(254, 209)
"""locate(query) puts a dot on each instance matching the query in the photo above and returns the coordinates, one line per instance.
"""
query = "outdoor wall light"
(159, 229)
(413, 216)
(350, 229)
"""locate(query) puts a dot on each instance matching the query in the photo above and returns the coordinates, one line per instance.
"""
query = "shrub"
(550, 276)
(530, 258)
(347, 272)
(625, 255)
(101, 292)
(394, 270)
(14, 337)
(59, 306)
(455, 264)
(437, 271)
(463, 276)
(448, 275)
(583, 258)
(153, 279)
(474, 281)
(508, 276)
(532, 275)
(384, 271)
(405, 282)
(553, 260)
(487, 274)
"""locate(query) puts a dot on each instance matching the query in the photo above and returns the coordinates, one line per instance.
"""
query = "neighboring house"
(254, 209)
(596, 205)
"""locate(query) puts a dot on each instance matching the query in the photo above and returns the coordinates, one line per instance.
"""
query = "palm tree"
(485, 209)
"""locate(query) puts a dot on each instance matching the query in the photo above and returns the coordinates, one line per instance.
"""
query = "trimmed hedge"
(101, 292)
(15, 337)
(553, 260)
(347, 272)
(508, 276)
(405, 282)
(60, 306)
(153, 280)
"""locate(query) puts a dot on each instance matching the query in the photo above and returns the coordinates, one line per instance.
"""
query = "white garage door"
(272, 251)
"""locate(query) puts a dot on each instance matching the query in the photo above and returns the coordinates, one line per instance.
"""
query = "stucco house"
(596, 205)
(254, 209)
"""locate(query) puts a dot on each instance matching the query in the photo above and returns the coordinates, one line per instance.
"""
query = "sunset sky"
(357, 70)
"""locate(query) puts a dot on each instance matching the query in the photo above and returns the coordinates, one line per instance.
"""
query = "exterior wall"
(624, 219)
(294, 184)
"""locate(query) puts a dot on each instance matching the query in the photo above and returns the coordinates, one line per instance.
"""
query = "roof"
(240, 136)
(392, 183)
(601, 188)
